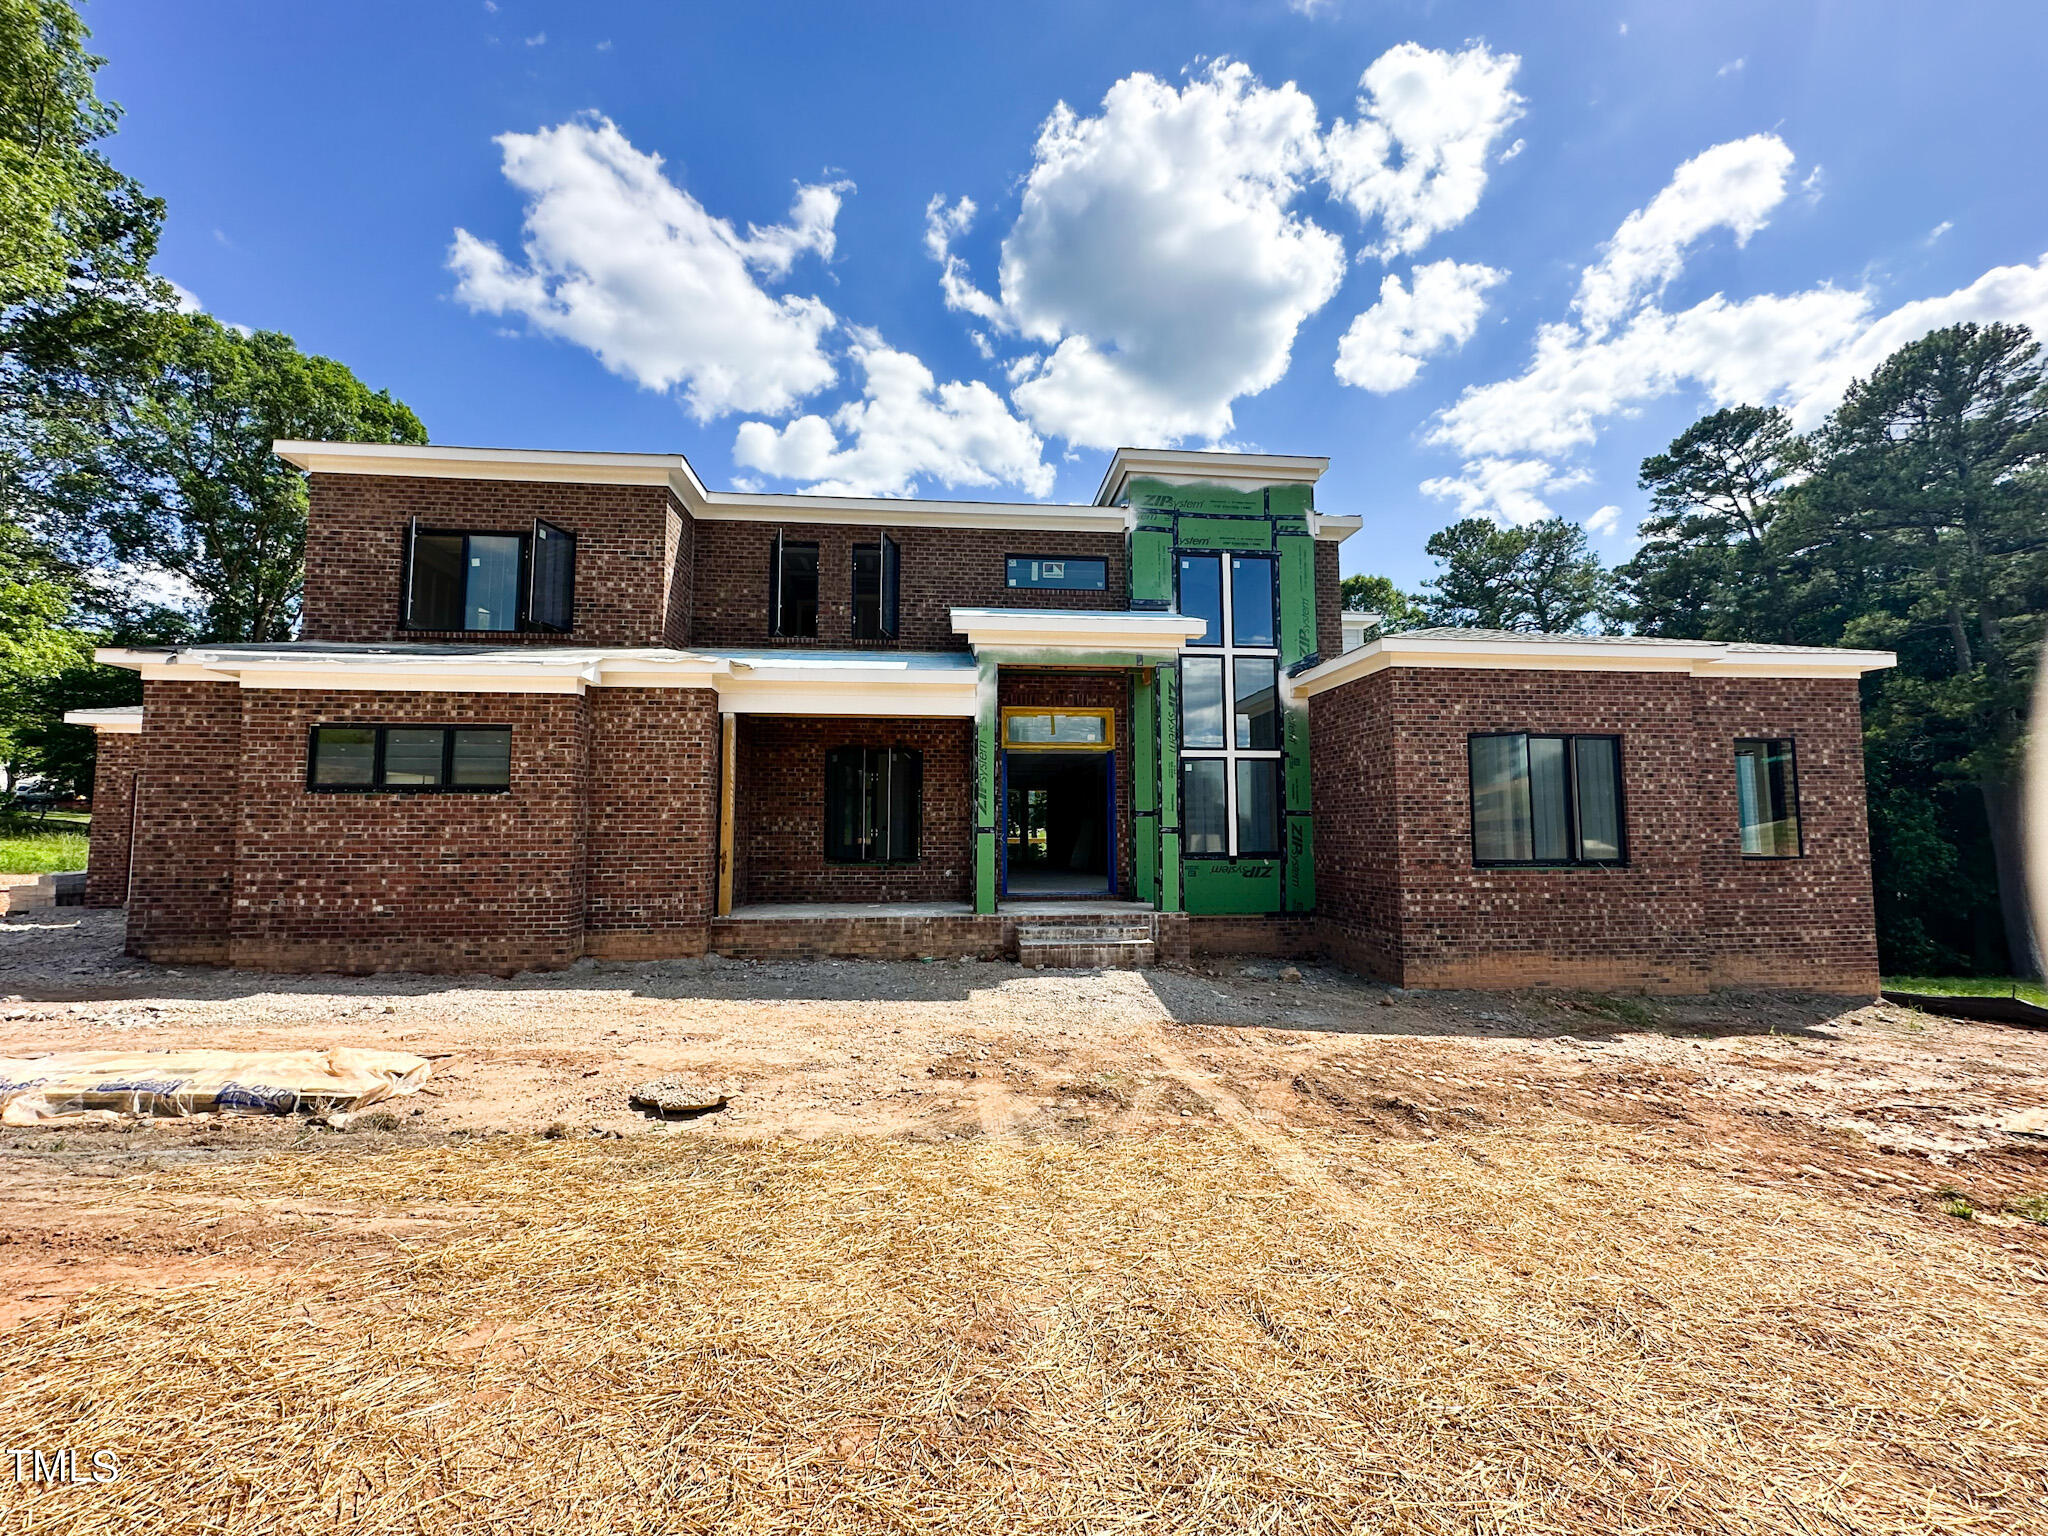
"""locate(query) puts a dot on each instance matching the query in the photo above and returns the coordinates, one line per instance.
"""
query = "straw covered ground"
(1100, 1262)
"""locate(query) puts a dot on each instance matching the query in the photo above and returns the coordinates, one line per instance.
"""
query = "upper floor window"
(482, 582)
(1546, 799)
(874, 804)
(1061, 575)
(793, 589)
(877, 589)
(1251, 614)
(1767, 798)
(462, 759)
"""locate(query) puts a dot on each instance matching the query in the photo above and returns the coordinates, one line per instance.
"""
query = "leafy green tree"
(1378, 594)
(1929, 506)
(1539, 576)
(39, 642)
(184, 482)
(1705, 569)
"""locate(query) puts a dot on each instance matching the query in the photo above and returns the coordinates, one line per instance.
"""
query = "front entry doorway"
(1060, 823)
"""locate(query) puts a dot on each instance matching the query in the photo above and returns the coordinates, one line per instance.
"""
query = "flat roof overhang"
(1075, 637)
(1550, 653)
(796, 682)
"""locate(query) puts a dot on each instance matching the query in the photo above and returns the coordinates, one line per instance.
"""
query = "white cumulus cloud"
(1623, 350)
(905, 427)
(620, 260)
(1416, 157)
(942, 226)
(1732, 186)
(1156, 253)
(1604, 521)
(1502, 488)
(1385, 346)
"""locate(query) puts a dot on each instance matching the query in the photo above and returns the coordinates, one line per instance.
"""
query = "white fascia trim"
(1703, 658)
(1033, 629)
(433, 461)
(108, 722)
(534, 671)
(1333, 529)
(1189, 466)
(897, 697)
(906, 512)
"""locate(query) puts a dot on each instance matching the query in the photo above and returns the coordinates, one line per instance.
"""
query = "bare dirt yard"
(974, 1248)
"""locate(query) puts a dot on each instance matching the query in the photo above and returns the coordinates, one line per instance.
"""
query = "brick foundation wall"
(1399, 897)
(1078, 689)
(181, 892)
(653, 852)
(943, 569)
(116, 755)
(779, 811)
(382, 881)
(626, 539)
(1282, 935)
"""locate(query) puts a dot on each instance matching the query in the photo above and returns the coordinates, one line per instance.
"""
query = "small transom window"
(459, 759)
(1090, 730)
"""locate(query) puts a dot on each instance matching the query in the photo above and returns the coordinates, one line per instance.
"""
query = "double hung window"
(1230, 707)
(410, 758)
(1546, 799)
(874, 804)
(461, 582)
(1767, 798)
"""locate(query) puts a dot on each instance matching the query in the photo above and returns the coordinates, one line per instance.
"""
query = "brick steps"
(1124, 944)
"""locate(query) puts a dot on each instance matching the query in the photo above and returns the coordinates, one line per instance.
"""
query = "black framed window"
(1767, 798)
(1056, 574)
(458, 759)
(1258, 805)
(793, 589)
(874, 804)
(1546, 799)
(1204, 806)
(1201, 595)
(460, 581)
(1254, 596)
(877, 589)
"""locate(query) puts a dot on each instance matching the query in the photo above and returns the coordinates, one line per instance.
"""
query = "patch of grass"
(1958, 1206)
(1970, 986)
(29, 849)
(2032, 1208)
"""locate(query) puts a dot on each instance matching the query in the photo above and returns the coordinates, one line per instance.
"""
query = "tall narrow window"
(1767, 798)
(1231, 772)
(877, 582)
(874, 804)
(490, 582)
(793, 589)
(1546, 799)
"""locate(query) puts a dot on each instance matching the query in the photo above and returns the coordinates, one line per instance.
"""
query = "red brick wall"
(1682, 915)
(1351, 785)
(116, 755)
(1085, 690)
(943, 568)
(393, 881)
(682, 567)
(1773, 922)
(626, 536)
(1329, 601)
(653, 820)
(181, 892)
(779, 812)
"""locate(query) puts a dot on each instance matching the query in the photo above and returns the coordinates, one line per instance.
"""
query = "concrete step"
(1086, 933)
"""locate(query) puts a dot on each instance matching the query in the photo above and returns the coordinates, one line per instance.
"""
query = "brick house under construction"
(553, 705)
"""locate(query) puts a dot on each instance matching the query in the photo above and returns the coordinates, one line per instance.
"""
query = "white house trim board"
(120, 720)
(1698, 658)
(1072, 630)
(1185, 466)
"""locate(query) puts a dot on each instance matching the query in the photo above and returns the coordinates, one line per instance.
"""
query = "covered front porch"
(906, 788)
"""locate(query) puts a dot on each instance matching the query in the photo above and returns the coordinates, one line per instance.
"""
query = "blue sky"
(735, 231)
